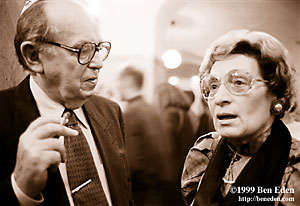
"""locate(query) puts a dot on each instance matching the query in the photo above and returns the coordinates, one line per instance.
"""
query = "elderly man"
(46, 159)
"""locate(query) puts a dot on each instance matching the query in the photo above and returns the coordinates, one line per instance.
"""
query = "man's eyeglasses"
(87, 51)
(237, 82)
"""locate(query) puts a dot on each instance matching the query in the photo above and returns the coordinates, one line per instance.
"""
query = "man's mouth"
(92, 79)
(89, 83)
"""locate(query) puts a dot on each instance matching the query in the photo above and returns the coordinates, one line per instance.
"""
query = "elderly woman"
(247, 81)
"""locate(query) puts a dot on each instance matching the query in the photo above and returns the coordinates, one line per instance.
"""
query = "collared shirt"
(48, 107)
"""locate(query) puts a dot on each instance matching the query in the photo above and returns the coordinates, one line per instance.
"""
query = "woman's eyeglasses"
(87, 51)
(237, 82)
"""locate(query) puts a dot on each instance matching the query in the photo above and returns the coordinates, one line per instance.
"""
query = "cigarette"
(81, 186)
(65, 118)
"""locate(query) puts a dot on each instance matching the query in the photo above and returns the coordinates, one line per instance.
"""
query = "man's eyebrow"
(82, 42)
(79, 44)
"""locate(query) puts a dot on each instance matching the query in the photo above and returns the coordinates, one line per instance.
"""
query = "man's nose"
(96, 62)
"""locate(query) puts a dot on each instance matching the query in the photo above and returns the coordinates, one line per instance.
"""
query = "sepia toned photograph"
(150, 102)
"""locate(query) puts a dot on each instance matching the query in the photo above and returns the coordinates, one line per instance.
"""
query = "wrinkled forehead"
(239, 62)
(70, 20)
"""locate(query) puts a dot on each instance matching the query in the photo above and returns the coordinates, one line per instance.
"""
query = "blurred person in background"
(201, 118)
(174, 104)
(146, 142)
(247, 81)
(205, 124)
(192, 115)
(46, 159)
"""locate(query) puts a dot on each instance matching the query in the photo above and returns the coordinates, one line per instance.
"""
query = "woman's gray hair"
(273, 59)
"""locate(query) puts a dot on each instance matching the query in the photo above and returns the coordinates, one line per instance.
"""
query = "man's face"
(64, 79)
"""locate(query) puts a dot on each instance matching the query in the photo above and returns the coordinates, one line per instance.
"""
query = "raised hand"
(39, 150)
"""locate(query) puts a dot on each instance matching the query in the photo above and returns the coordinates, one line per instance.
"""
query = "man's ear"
(31, 56)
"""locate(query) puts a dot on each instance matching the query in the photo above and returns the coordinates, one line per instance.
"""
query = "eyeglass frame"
(227, 87)
(72, 49)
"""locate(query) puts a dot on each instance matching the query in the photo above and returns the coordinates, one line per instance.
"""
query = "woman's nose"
(222, 95)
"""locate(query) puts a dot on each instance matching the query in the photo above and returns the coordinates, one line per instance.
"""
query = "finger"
(53, 144)
(53, 129)
(51, 159)
(42, 121)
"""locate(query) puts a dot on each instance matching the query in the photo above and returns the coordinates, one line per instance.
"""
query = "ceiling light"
(171, 58)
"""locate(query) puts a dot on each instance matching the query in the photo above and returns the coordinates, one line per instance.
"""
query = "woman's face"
(240, 116)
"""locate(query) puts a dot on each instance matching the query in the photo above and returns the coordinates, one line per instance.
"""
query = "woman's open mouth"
(226, 116)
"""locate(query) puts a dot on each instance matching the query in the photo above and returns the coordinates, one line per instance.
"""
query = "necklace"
(229, 176)
(236, 165)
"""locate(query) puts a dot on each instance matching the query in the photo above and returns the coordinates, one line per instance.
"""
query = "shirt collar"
(48, 107)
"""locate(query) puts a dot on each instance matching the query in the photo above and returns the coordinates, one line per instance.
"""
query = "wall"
(10, 70)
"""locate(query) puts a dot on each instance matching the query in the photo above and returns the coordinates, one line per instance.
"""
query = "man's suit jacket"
(147, 147)
(18, 109)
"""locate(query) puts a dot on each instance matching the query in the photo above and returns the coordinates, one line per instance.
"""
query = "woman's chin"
(230, 133)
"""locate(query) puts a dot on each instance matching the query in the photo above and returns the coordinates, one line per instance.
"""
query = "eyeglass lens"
(237, 82)
(88, 51)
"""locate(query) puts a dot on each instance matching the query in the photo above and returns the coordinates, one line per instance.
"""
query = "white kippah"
(27, 5)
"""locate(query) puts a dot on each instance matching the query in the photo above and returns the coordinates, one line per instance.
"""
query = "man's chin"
(85, 94)
(88, 85)
(74, 104)
(77, 102)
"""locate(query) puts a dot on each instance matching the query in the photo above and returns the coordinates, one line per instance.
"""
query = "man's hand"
(38, 151)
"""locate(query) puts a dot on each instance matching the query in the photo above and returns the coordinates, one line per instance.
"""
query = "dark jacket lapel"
(25, 111)
(107, 131)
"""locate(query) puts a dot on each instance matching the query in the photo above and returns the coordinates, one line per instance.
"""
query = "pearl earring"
(278, 107)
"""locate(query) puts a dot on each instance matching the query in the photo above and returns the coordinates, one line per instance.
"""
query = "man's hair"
(135, 74)
(32, 26)
(272, 57)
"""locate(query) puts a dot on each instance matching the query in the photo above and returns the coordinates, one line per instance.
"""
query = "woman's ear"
(31, 56)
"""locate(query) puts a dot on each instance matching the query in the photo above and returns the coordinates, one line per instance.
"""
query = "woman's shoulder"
(295, 149)
(196, 162)
(202, 149)
(294, 158)
(207, 143)
(291, 177)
